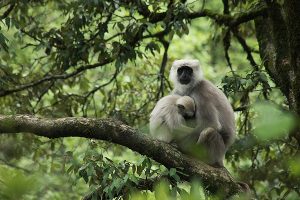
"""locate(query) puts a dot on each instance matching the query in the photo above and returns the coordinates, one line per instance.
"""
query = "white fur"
(198, 74)
(189, 105)
(214, 116)
(165, 117)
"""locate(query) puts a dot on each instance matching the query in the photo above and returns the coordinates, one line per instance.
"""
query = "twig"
(45, 90)
(7, 12)
(226, 44)
(161, 74)
(92, 92)
(246, 48)
(14, 166)
(226, 6)
(54, 77)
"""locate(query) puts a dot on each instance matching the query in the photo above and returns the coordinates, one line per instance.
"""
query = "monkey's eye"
(180, 70)
(181, 107)
(185, 69)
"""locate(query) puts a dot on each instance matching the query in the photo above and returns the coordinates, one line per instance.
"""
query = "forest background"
(95, 69)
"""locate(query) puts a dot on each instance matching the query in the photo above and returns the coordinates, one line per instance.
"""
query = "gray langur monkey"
(168, 117)
(214, 116)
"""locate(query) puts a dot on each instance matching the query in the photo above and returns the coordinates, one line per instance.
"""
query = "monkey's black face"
(181, 109)
(184, 74)
(184, 112)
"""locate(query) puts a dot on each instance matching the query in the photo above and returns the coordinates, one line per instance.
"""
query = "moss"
(6, 124)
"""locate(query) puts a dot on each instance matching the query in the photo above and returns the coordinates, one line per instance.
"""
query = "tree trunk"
(278, 35)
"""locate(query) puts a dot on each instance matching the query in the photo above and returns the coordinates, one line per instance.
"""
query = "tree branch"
(53, 77)
(119, 133)
(7, 12)
(246, 48)
(271, 33)
(14, 166)
(161, 75)
(228, 20)
(226, 6)
(222, 19)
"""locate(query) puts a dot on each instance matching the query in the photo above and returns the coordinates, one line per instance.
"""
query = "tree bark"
(119, 133)
(278, 35)
(291, 9)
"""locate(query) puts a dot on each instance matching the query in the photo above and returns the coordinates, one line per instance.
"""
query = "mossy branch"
(116, 132)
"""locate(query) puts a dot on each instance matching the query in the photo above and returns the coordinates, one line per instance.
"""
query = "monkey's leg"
(214, 146)
(187, 142)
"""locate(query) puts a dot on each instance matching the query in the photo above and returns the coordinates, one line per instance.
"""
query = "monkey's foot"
(217, 165)
(205, 134)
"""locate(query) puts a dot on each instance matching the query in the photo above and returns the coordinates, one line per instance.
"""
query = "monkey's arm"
(182, 131)
(207, 118)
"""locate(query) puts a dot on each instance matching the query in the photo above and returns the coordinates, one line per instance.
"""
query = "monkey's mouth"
(184, 81)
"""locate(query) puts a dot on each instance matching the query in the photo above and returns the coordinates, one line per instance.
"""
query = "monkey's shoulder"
(209, 90)
(209, 96)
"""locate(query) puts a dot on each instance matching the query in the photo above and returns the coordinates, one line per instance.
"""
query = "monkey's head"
(186, 106)
(185, 73)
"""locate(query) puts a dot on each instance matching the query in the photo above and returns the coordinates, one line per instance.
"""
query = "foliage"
(271, 123)
(15, 185)
(105, 58)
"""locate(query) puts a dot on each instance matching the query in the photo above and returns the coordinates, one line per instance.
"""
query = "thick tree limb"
(279, 45)
(271, 33)
(119, 133)
(292, 9)
(228, 20)
(223, 19)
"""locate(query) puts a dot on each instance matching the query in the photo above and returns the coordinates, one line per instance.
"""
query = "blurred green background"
(41, 38)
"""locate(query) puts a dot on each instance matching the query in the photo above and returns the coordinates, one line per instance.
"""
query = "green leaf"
(120, 26)
(172, 171)
(196, 191)
(7, 22)
(70, 168)
(162, 190)
(14, 184)
(139, 169)
(173, 174)
(271, 122)
(84, 175)
(295, 166)
(152, 46)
